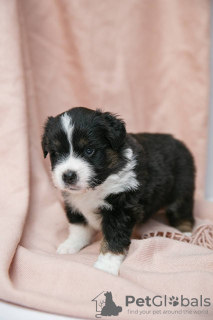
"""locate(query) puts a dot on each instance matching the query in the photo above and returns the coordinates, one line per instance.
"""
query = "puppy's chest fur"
(90, 202)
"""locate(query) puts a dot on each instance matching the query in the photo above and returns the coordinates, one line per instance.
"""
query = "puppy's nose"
(69, 176)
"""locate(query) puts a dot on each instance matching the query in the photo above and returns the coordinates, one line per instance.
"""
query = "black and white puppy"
(111, 180)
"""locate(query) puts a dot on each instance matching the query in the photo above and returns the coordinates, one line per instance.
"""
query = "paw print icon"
(173, 301)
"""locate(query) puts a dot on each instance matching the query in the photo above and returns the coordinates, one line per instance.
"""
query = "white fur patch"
(109, 262)
(88, 202)
(79, 237)
(125, 179)
(72, 163)
(67, 125)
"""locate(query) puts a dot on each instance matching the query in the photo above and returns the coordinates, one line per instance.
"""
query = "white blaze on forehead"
(67, 126)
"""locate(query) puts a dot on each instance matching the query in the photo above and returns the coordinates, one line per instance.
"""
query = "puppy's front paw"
(107, 268)
(109, 262)
(69, 247)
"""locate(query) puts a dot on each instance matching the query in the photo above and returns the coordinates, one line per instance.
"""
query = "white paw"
(109, 263)
(107, 268)
(69, 247)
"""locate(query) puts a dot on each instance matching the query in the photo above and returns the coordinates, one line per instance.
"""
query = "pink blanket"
(145, 60)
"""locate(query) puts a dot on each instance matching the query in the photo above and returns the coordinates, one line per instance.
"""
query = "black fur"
(53, 134)
(165, 171)
(73, 216)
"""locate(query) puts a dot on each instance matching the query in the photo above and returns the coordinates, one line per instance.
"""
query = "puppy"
(111, 180)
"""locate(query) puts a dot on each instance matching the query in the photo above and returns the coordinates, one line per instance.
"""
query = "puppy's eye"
(89, 152)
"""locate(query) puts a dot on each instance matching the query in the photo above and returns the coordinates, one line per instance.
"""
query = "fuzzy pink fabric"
(145, 60)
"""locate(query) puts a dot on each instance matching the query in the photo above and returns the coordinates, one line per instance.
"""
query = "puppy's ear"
(44, 141)
(115, 130)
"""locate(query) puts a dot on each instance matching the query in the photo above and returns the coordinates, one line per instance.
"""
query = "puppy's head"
(85, 147)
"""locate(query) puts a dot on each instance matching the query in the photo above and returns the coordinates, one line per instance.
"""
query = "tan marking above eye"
(83, 142)
(56, 143)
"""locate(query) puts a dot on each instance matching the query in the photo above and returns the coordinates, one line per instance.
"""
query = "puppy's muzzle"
(70, 177)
